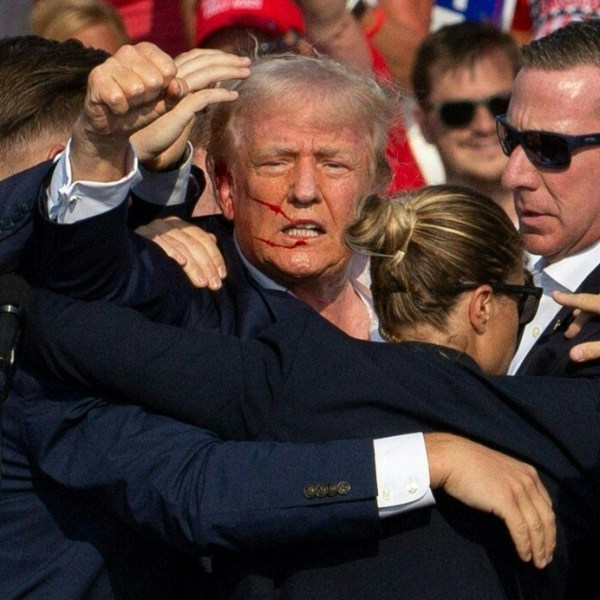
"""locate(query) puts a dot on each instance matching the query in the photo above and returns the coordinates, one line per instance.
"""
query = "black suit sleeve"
(199, 377)
(183, 485)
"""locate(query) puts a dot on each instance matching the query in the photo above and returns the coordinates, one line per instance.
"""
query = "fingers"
(193, 248)
(493, 482)
(135, 77)
(578, 321)
(529, 518)
(586, 306)
(586, 302)
(207, 69)
(194, 88)
(584, 352)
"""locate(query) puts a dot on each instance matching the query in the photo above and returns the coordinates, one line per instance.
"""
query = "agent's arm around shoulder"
(194, 491)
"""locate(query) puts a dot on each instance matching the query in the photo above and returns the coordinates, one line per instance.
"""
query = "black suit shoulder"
(550, 354)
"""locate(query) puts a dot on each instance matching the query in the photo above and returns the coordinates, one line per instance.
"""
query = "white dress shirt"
(566, 275)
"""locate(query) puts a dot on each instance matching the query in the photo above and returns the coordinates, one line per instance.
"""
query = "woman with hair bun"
(447, 267)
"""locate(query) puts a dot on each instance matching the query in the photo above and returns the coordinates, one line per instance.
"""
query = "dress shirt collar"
(359, 279)
(570, 272)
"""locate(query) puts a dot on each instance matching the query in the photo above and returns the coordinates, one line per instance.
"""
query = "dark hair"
(577, 43)
(425, 242)
(42, 87)
(457, 45)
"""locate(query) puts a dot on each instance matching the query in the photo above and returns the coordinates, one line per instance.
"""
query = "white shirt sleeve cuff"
(402, 472)
(166, 188)
(70, 201)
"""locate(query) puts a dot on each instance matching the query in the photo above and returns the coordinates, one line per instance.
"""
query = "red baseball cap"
(275, 17)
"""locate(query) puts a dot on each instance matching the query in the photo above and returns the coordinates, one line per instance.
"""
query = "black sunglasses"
(460, 113)
(528, 297)
(544, 149)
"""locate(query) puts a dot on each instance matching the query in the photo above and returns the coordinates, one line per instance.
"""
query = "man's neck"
(333, 296)
(339, 303)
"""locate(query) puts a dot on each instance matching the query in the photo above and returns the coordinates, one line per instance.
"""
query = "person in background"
(166, 23)
(395, 28)
(266, 27)
(534, 19)
(94, 23)
(462, 78)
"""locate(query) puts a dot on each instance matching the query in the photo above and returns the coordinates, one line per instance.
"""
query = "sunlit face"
(294, 190)
(558, 210)
(472, 153)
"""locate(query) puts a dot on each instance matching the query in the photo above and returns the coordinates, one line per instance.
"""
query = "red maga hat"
(275, 17)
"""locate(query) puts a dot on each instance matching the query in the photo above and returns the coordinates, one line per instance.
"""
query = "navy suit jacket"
(550, 354)
(92, 491)
(303, 379)
(132, 280)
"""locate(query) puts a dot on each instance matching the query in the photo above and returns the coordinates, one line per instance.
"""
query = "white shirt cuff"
(402, 472)
(166, 188)
(70, 201)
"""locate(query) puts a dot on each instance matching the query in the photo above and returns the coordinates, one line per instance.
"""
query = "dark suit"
(303, 379)
(308, 377)
(91, 491)
(550, 356)
(19, 195)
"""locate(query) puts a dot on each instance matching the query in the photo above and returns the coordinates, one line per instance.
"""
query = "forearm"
(194, 491)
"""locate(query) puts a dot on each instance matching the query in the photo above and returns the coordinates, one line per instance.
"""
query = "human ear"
(480, 308)
(225, 189)
(423, 120)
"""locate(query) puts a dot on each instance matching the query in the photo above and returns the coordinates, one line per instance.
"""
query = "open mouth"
(303, 230)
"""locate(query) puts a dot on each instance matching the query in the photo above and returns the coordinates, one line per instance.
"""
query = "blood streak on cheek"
(275, 245)
(273, 207)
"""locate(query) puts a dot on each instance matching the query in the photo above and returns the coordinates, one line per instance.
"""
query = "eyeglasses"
(460, 113)
(544, 149)
(528, 297)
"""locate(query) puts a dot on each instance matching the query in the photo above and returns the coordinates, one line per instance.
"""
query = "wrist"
(97, 158)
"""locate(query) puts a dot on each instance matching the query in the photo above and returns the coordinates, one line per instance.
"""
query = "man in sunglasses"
(462, 76)
(551, 135)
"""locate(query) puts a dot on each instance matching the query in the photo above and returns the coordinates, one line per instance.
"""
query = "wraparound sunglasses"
(544, 149)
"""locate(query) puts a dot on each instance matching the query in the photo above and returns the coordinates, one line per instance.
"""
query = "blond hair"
(341, 93)
(61, 20)
(423, 244)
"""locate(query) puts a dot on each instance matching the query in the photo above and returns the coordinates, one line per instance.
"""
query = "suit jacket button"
(322, 490)
(309, 491)
(343, 487)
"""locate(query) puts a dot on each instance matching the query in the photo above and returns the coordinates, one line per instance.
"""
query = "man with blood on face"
(290, 168)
